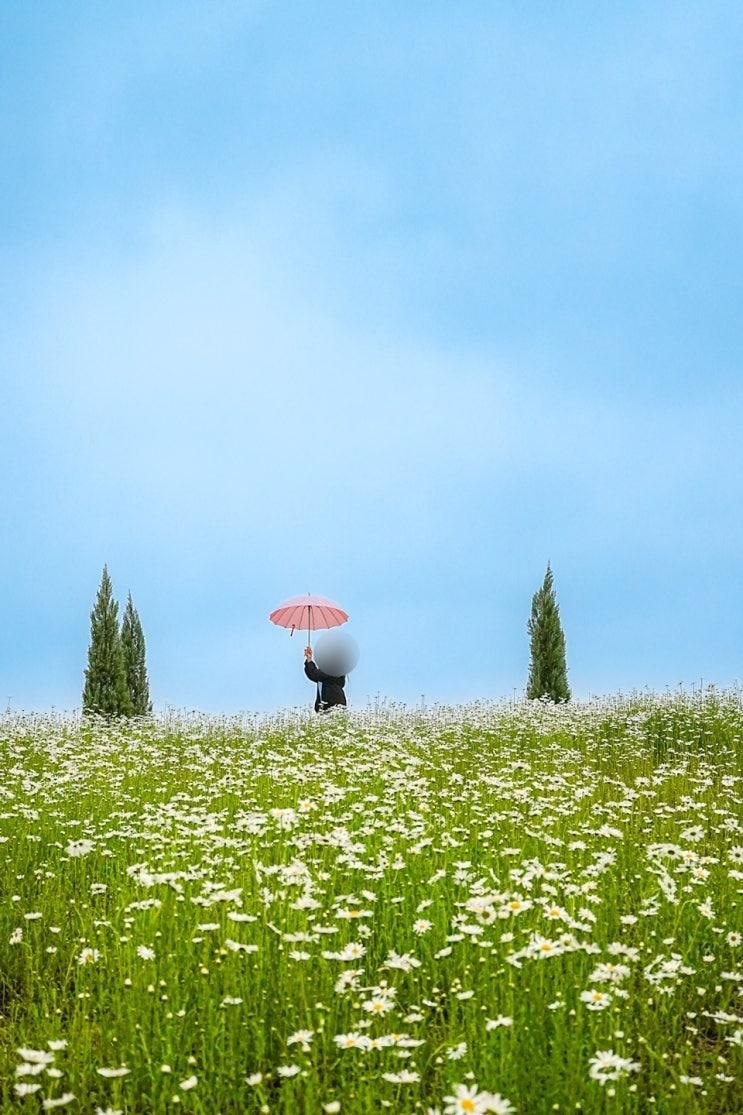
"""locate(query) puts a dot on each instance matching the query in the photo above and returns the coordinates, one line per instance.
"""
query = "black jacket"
(331, 689)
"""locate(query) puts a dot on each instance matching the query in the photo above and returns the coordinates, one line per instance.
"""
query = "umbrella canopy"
(312, 612)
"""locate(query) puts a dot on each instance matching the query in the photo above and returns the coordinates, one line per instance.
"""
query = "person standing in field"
(330, 689)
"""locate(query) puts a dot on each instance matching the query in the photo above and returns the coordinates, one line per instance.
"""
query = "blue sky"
(388, 302)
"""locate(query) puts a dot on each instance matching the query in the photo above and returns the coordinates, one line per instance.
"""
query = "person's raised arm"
(313, 672)
(310, 668)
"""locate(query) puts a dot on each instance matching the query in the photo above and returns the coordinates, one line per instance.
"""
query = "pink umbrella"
(312, 612)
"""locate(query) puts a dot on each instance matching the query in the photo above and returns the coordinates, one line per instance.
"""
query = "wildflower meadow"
(499, 907)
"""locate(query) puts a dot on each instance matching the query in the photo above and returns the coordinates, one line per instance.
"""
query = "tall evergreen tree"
(548, 672)
(105, 688)
(132, 640)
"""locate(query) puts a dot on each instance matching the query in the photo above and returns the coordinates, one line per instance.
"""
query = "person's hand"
(308, 652)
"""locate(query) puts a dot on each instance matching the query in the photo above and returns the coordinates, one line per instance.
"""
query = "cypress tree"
(132, 640)
(105, 688)
(548, 672)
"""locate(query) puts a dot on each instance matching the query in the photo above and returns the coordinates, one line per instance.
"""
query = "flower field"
(501, 907)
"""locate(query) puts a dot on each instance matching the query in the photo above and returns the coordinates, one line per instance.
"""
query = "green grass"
(615, 824)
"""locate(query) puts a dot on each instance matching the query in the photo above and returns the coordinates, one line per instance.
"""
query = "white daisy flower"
(89, 956)
(607, 1065)
(595, 1000)
(466, 1099)
(238, 946)
(404, 962)
(380, 1003)
(498, 1104)
(352, 1041)
(301, 1037)
(352, 951)
(36, 1056)
(79, 847)
(25, 1069)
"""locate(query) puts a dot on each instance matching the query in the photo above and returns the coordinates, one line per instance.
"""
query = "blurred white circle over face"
(336, 653)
